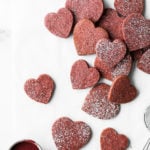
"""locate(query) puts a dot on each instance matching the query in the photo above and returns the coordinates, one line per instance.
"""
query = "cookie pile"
(117, 38)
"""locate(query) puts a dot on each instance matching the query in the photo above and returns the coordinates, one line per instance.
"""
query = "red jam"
(25, 145)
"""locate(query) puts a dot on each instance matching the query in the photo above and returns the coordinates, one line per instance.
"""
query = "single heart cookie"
(111, 140)
(86, 36)
(69, 135)
(111, 53)
(127, 7)
(121, 90)
(40, 90)
(136, 32)
(97, 104)
(59, 23)
(86, 9)
(144, 62)
(122, 68)
(82, 76)
(112, 23)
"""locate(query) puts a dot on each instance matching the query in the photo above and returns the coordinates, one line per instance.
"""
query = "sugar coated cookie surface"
(82, 76)
(144, 62)
(121, 90)
(126, 7)
(97, 104)
(86, 9)
(111, 53)
(122, 68)
(112, 23)
(86, 36)
(111, 140)
(59, 23)
(40, 89)
(70, 135)
(136, 32)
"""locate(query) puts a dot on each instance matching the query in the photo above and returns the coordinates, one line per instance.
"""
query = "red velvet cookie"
(40, 90)
(97, 104)
(69, 135)
(86, 36)
(82, 76)
(138, 54)
(121, 90)
(144, 62)
(127, 7)
(122, 68)
(86, 9)
(112, 23)
(111, 140)
(59, 23)
(111, 53)
(136, 32)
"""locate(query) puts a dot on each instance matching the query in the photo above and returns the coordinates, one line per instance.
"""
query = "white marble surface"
(5, 77)
(36, 51)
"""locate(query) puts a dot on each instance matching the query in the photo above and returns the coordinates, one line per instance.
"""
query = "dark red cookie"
(86, 36)
(97, 105)
(82, 76)
(111, 53)
(40, 90)
(122, 68)
(127, 7)
(144, 62)
(136, 32)
(112, 23)
(121, 90)
(138, 54)
(111, 140)
(86, 9)
(69, 135)
(59, 23)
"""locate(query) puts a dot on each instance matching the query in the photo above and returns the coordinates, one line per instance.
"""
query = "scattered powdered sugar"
(97, 104)
(70, 135)
(144, 62)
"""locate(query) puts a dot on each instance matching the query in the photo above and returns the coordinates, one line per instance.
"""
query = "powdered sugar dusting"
(144, 62)
(123, 67)
(126, 7)
(136, 32)
(70, 135)
(110, 52)
(97, 105)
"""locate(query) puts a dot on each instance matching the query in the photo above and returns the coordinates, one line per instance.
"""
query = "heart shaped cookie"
(136, 32)
(121, 90)
(86, 9)
(97, 104)
(122, 68)
(40, 90)
(82, 76)
(111, 140)
(112, 23)
(59, 23)
(126, 7)
(69, 135)
(86, 36)
(144, 62)
(111, 53)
